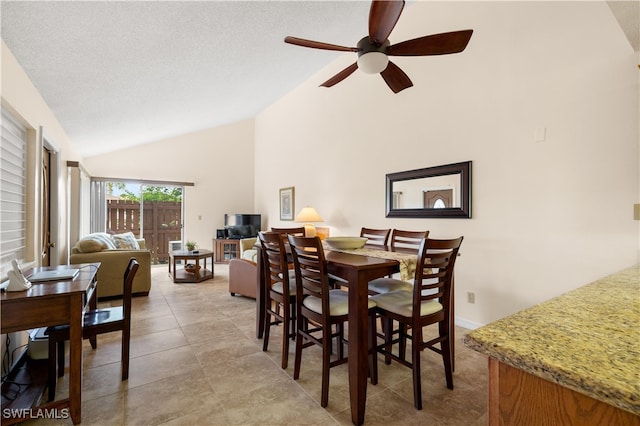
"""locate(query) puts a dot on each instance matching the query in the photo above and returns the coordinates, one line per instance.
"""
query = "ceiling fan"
(374, 50)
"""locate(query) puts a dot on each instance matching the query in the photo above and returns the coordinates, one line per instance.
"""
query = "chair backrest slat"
(311, 270)
(376, 236)
(434, 274)
(407, 239)
(299, 231)
(275, 259)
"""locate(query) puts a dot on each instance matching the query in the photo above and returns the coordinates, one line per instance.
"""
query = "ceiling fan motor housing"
(372, 57)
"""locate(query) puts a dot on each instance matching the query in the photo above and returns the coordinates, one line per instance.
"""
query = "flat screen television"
(239, 225)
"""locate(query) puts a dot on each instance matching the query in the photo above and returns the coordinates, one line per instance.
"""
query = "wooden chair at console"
(99, 321)
(321, 308)
(280, 297)
(379, 237)
(428, 303)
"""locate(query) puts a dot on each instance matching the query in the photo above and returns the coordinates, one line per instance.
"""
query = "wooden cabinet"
(226, 249)
(520, 398)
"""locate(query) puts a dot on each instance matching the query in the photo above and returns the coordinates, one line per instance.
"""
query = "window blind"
(13, 192)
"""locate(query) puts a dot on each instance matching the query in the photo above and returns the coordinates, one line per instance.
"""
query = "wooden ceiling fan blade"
(318, 44)
(383, 16)
(341, 75)
(436, 44)
(395, 78)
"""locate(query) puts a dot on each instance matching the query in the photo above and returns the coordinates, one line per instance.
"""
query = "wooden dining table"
(356, 271)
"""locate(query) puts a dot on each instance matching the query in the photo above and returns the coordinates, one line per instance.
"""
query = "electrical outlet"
(471, 297)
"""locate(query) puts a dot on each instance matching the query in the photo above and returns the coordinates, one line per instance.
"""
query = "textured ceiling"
(119, 73)
(122, 73)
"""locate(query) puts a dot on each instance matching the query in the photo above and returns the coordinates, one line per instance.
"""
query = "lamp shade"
(308, 214)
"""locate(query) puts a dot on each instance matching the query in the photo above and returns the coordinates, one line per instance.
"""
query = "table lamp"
(308, 215)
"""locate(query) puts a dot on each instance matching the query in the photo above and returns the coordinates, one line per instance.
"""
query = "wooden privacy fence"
(162, 223)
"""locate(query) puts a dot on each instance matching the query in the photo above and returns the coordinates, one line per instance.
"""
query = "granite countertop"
(587, 340)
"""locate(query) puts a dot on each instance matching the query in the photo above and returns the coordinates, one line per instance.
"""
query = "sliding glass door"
(161, 212)
(152, 212)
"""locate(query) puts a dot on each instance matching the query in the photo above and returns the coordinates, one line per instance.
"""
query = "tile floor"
(195, 361)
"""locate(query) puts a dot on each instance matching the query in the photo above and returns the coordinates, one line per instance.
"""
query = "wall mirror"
(434, 192)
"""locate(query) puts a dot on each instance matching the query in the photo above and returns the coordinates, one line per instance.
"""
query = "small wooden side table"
(201, 273)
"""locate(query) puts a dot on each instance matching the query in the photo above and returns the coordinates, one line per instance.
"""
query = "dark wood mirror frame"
(464, 209)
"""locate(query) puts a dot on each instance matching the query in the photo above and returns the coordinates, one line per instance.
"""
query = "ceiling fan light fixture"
(373, 62)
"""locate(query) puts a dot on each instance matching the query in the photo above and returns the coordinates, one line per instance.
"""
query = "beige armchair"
(243, 272)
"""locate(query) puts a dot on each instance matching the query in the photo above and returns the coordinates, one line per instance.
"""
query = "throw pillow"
(90, 246)
(98, 241)
(126, 241)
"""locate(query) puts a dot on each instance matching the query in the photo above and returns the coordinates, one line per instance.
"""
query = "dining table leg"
(75, 357)
(261, 292)
(358, 345)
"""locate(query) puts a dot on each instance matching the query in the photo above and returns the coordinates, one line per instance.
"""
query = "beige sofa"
(114, 260)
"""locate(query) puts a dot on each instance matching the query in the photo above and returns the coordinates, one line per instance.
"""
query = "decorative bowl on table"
(191, 268)
(346, 243)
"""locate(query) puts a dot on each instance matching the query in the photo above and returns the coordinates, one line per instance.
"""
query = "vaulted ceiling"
(117, 73)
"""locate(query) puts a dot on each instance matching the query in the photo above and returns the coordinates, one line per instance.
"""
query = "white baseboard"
(461, 322)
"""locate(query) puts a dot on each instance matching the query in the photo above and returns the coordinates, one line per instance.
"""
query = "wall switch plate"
(471, 297)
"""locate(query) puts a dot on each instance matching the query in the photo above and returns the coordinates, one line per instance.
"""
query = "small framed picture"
(287, 196)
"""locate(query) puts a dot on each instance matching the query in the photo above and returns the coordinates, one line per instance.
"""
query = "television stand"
(226, 249)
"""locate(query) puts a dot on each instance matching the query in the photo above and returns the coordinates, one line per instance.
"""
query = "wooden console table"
(53, 303)
(201, 273)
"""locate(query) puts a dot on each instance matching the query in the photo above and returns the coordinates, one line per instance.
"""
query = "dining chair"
(299, 231)
(428, 303)
(379, 237)
(94, 322)
(405, 240)
(320, 309)
(280, 296)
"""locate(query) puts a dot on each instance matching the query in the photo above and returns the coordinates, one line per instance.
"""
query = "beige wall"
(219, 161)
(547, 216)
(23, 100)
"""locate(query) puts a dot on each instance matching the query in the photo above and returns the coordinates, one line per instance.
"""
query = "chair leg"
(447, 356)
(326, 361)
(267, 327)
(387, 327)
(340, 330)
(60, 344)
(285, 338)
(415, 361)
(373, 353)
(51, 378)
(299, 341)
(126, 340)
(402, 343)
